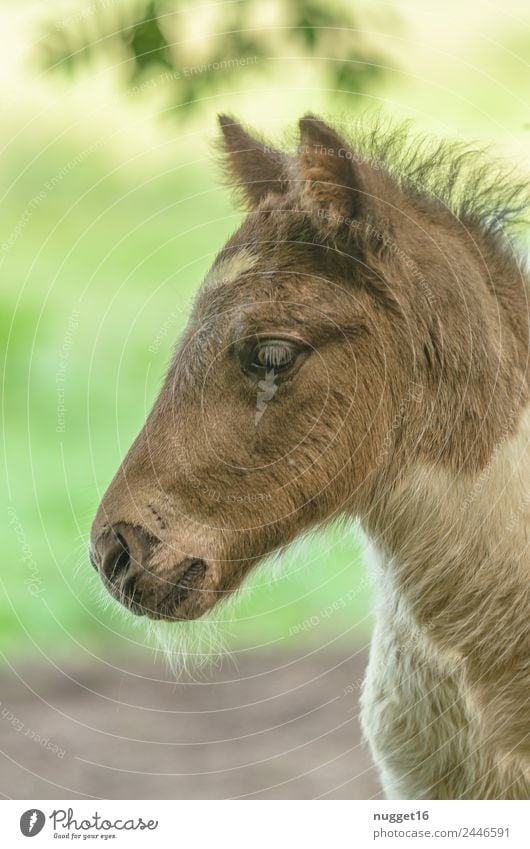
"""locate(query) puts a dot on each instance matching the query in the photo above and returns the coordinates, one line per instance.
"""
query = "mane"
(476, 187)
(464, 178)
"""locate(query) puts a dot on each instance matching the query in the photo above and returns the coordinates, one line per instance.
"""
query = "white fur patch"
(231, 268)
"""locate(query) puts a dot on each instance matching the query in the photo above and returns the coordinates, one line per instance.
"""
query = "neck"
(454, 549)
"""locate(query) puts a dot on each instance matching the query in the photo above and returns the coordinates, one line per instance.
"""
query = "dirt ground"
(270, 727)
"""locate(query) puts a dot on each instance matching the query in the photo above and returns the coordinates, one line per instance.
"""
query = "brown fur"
(394, 271)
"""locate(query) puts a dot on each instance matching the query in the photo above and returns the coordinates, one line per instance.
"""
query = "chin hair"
(190, 648)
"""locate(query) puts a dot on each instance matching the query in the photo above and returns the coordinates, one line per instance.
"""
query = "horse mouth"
(189, 584)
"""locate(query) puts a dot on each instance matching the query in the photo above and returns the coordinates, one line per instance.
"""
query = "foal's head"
(352, 327)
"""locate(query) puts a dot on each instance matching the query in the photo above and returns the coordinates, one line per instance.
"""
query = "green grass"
(96, 287)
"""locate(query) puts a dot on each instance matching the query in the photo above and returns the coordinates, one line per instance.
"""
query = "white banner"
(265, 824)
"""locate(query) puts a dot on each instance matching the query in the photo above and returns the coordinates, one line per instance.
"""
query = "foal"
(359, 347)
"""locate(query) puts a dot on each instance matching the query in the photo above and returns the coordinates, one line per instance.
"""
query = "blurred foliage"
(195, 51)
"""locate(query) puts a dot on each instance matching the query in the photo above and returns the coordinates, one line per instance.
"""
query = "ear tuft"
(255, 168)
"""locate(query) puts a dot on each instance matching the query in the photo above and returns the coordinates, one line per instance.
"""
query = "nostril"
(124, 558)
(123, 553)
(116, 559)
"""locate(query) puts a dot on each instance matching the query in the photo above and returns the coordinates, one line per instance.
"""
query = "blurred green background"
(112, 212)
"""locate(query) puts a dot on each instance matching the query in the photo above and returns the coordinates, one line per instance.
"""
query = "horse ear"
(332, 178)
(254, 167)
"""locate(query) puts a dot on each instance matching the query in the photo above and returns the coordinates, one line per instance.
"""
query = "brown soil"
(264, 727)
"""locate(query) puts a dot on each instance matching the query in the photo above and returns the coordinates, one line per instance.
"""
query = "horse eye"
(273, 355)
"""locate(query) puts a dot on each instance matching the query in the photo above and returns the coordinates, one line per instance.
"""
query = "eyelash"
(273, 355)
(270, 355)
